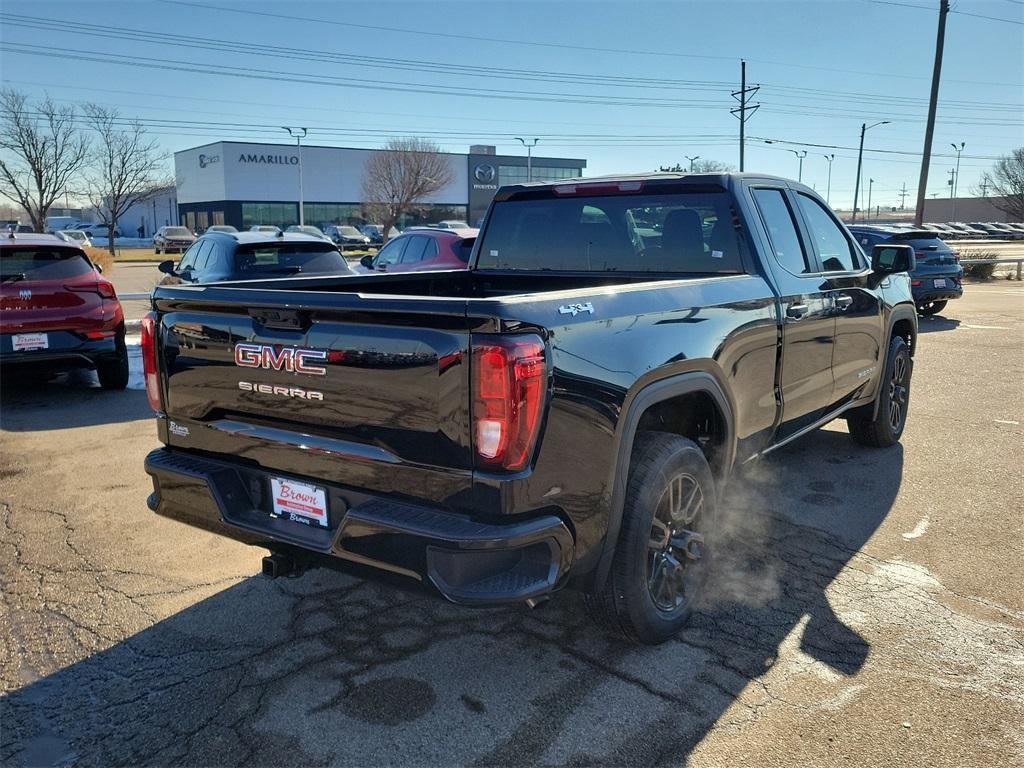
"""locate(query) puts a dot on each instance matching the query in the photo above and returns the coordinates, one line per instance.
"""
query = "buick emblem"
(25, 294)
(484, 173)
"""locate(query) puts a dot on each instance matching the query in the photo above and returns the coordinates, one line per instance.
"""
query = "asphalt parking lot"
(868, 610)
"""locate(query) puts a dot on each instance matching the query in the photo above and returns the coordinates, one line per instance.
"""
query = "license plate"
(23, 342)
(299, 502)
(940, 283)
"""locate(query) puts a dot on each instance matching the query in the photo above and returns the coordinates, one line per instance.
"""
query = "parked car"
(57, 312)
(169, 239)
(418, 250)
(992, 232)
(55, 224)
(345, 235)
(451, 224)
(267, 229)
(1009, 231)
(966, 231)
(221, 228)
(219, 256)
(565, 413)
(98, 230)
(937, 276)
(15, 227)
(1016, 226)
(307, 230)
(79, 236)
(376, 232)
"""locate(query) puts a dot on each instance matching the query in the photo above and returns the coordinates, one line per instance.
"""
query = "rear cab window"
(288, 258)
(46, 263)
(677, 232)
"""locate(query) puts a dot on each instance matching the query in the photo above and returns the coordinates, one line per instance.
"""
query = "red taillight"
(100, 334)
(509, 381)
(599, 188)
(915, 282)
(103, 287)
(149, 367)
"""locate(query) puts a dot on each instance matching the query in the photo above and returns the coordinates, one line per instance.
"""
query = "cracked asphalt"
(867, 610)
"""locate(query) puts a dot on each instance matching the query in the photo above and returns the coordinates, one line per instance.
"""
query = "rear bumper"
(924, 295)
(467, 561)
(66, 351)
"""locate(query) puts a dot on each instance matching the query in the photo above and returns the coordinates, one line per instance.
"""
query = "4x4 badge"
(575, 309)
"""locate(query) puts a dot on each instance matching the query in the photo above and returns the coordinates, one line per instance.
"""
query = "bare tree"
(41, 150)
(699, 166)
(1006, 182)
(398, 178)
(127, 166)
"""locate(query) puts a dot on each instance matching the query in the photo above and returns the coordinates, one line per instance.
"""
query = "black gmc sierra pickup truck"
(563, 413)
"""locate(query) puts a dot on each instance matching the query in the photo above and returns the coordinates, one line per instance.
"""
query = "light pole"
(871, 184)
(298, 134)
(800, 157)
(864, 128)
(529, 157)
(956, 178)
(828, 189)
(692, 160)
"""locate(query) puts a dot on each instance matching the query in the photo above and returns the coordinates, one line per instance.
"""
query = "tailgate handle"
(287, 319)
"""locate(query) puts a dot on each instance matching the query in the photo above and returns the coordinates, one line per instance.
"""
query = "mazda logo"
(484, 173)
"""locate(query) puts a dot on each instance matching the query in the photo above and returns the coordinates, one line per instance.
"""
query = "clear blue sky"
(824, 67)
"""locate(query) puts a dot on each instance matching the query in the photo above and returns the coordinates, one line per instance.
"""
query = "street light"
(828, 189)
(298, 134)
(871, 184)
(956, 178)
(800, 156)
(692, 159)
(864, 128)
(529, 157)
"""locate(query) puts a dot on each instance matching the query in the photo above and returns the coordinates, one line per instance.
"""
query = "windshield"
(290, 258)
(351, 231)
(177, 232)
(677, 232)
(18, 264)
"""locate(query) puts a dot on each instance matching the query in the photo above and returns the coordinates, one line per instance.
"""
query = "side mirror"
(890, 259)
(99, 268)
(367, 261)
(167, 267)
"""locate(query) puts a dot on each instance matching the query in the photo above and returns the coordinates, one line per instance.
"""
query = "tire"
(657, 569)
(156, 249)
(931, 307)
(113, 374)
(885, 429)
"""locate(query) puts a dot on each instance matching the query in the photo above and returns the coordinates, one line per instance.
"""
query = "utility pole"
(298, 134)
(692, 159)
(743, 111)
(984, 189)
(828, 188)
(933, 101)
(864, 128)
(903, 196)
(956, 177)
(871, 184)
(529, 157)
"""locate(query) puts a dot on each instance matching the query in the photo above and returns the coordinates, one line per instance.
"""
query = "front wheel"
(886, 428)
(660, 560)
(931, 307)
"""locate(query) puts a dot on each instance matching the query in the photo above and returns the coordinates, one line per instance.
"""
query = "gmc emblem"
(273, 358)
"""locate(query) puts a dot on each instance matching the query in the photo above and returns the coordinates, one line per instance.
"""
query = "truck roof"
(717, 179)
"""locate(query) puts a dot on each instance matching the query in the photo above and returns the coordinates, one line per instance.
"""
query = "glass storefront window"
(276, 214)
(516, 174)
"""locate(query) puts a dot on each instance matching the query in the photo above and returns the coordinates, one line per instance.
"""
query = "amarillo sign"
(268, 159)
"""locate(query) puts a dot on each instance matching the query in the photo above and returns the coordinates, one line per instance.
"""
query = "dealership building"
(245, 184)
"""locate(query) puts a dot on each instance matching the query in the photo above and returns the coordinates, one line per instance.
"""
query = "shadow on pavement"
(327, 669)
(72, 399)
(937, 323)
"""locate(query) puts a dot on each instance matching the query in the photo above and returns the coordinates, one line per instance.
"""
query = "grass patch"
(101, 257)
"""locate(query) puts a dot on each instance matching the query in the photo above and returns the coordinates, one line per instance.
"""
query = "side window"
(782, 232)
(430, 252)
(203, 255)
(834, 249)
(415, 249)
(189, 259)
(392, 252)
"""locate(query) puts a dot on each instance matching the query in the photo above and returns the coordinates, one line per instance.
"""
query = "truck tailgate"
(367, 392)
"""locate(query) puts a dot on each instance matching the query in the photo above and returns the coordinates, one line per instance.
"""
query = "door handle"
(843, 301)
(796, 311)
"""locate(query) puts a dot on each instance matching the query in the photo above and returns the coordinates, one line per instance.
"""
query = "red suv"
(416, 250)
(57, 312)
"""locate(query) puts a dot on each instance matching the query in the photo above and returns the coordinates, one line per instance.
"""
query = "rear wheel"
(887, 426)
(113, 372)
(660, 560)
(931, 307)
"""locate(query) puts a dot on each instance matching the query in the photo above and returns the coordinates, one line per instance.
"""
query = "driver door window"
(390, 253)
